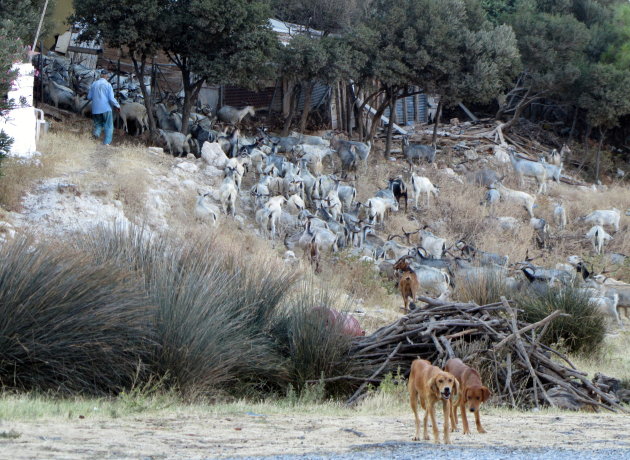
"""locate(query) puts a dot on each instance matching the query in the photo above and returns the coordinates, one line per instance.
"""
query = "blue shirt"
(102, 96)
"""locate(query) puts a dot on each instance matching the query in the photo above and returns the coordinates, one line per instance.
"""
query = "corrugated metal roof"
(417, 110)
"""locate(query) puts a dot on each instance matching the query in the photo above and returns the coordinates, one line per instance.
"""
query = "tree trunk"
(602, 135)
(438, 115)
(307, 104)
(390, 125)
(575, 115)
(191, 91)
(375, 119)
(148, 101)
(292, 106)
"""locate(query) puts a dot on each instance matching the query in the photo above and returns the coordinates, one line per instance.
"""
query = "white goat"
(295, 204)
(604, 217)
(554, 172)
(204, 211)
(134, 111)
(515, 196)
(423, 185)
(232, 115)
(237, 170)
(598, 236)
(333, 204)
(607, 305)
(269, 214)
(435, 246)
(177, 143)
(432, 280)
(529, 168)
(560, 216)
(378, 206)
(228, 194)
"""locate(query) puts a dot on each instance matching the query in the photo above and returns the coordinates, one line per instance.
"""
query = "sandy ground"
(250, 434)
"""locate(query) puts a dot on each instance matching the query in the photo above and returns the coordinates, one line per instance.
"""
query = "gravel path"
(410, 450)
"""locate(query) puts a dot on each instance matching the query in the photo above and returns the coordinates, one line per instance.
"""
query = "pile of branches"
(525, 372)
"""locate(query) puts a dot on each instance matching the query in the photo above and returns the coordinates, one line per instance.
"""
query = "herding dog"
(472, 393)
(431, 384)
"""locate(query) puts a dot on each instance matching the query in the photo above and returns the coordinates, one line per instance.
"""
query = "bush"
(214, 308)
(483, 288)
(313, 347)
(69, 324)
(583, 331)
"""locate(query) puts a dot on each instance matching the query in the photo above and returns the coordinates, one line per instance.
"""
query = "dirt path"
(250, 434)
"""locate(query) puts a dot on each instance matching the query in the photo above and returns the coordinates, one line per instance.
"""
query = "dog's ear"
(433, 387)
(456, 387)
(485, 392)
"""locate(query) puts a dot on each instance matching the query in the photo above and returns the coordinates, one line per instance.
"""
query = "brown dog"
(472, 393)
(431, 384)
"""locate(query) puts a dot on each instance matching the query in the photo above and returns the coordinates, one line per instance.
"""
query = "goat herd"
(320, 213)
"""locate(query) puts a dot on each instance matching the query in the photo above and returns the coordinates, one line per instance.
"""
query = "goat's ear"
(486, 393)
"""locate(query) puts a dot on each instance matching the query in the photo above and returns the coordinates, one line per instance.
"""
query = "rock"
(240, 222)
(156, 150)
(213, 154)
(191, 156)
(289, 255)
(500, 153)
(563, 399)
(189, 184)
(212, 171)
(449, 172)
(454, 121)
(188, 166)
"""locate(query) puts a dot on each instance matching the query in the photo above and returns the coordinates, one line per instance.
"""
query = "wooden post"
(405, 115)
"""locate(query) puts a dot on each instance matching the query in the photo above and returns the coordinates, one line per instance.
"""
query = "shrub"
(214, 307)
(483, 288)
(69, 324)
(313, 347)
(583, 331)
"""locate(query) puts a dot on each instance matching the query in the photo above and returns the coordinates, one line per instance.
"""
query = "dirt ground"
(251, 434)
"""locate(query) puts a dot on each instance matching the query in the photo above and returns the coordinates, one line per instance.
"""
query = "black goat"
(399, 189)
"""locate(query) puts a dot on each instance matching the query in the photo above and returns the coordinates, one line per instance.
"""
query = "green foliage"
(605, 94)
(21, 17)
(69, 324)
(483, 288)
(311, 343)
(442, 46)
(583, 331)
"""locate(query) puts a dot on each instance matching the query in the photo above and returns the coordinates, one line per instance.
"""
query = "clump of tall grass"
(582, 331)
(68, 323)
(482, 287)
(313, 345)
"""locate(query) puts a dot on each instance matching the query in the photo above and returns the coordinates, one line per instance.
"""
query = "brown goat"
(409, 287)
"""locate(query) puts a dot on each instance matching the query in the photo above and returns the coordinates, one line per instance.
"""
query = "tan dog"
(431, 384)
(472, 393)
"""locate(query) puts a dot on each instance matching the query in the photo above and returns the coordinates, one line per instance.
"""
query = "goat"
(82, 105)
(59, 94)
(607, 305)
(295, 204)
(237, 170)
(559, 216)
(491, 197)
(604, 217)
(229, 144)
(234, 116)
(347, 195)
(205, 212)
(359, 150)
(417, 151)
(528, 168)
(348, 160)
(333, 204)
(423, 185)
(430, 279)
(177, 143)
(598, 236)
(484, 177)
(134, 111)
(377, 208)
(228, 194)
(515, 196)
(554, 172)
(164, 118)
(435, 246)
(396, 190)
(409, 287)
